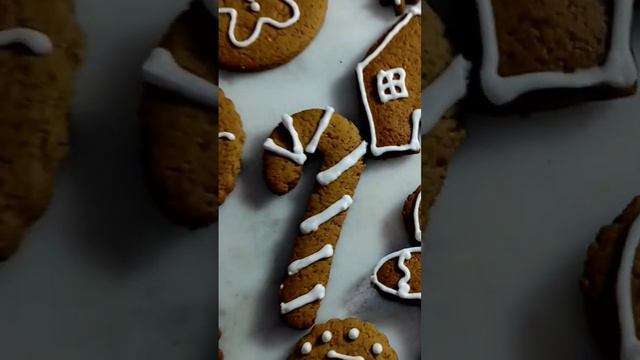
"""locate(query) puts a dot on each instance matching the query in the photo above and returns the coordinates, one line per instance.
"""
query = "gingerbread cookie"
(257, 35)
(399, 6)
(40, 51)
(399, 275)
(220, 354)
(412, 214)
(611, 285)
(589, 46)
(348, 339)
(389, 83)
(230, 141)
(179, 120)
(342, 149)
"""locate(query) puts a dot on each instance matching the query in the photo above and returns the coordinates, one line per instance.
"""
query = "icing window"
(391, 85)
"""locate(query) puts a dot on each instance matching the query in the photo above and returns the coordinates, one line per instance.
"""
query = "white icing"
(416, 218)
(353, 334)
(414, 145)
(618, 71)
(34, 40)
(332, 354)
(377, 349)
(233, 14)
(317, 293)
(391, 85)
(326, 336)
(254, 6)
(312, 223)
(329, 175)
(297, 154)
(324, 253)
(404, 290)
(630, 345)
(322, 126)
(306, 348)
(226, 135)
(162, 70)
(444, 92)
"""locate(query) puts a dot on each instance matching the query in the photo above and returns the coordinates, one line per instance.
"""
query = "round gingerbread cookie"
(344, 339)
(413, 214)
(230, 141)
(610, 284)
(257, 35)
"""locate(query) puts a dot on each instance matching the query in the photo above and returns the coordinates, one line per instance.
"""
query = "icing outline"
(39, 43)
(404, 289)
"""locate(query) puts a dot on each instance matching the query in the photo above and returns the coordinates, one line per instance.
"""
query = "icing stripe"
(226, 135)
(328, 176)
(324, 253)
(630, 345)
(317, 293)
(403, 290)
(162, 70)
(416, 218)
(332, 354)
(297, 155)
(37, 42)
(312, 223)
(322, 126)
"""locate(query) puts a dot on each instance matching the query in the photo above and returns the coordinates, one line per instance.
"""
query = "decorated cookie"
(399, 275)
(220, 354)
(339, 144)
(348, 339)
(611, 285)
(230, 141)
(257, 35)
(179, 120)
(413, 214)
(40, 50)
(399, 5)
(389, 83)
(590, 46)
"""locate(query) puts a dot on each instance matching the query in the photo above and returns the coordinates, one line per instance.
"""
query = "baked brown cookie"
(179, 120)
(399, 6)
(257, 35)
(220, 354)
(230, 141)
(532, 47)
(399, 275)
(413, 214)
(348, 339)
(341, 147)
(41, 48)
(610, 284)
(390, 88)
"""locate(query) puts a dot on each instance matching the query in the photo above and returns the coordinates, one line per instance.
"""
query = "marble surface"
(257, 228)
(103, 275)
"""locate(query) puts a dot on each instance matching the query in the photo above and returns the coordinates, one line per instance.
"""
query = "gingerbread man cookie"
(230, 141)
(179, 119)
(399, 275)
(412, 213)
(348, 339)
(40, 51)
(338, 141)
(257, 35)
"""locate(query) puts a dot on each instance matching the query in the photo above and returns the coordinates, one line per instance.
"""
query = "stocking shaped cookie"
(399, 275)
(40, 50)
(389, 83)
(178, 115)
(338, 141)
(538, 46)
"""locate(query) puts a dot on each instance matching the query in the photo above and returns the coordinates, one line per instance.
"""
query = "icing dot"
(326, 336)
(354, 333)
(377, 349)
(255, 6)
(306, 348)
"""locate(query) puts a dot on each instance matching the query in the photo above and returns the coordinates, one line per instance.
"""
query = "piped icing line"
(324, 253)
(444, 92)
(332, 354)
(329, 175)
(312, 223)
(297, 153)
(619, 70)
(630, 344)
(36, 41)
(322, 126)
(226, 135)
(162, 70)
(416, 217)
(414, 145)
(317, 293)
(404, 290)
(233, 14)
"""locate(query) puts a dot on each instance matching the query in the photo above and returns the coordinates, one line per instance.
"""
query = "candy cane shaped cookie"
(338, 141)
